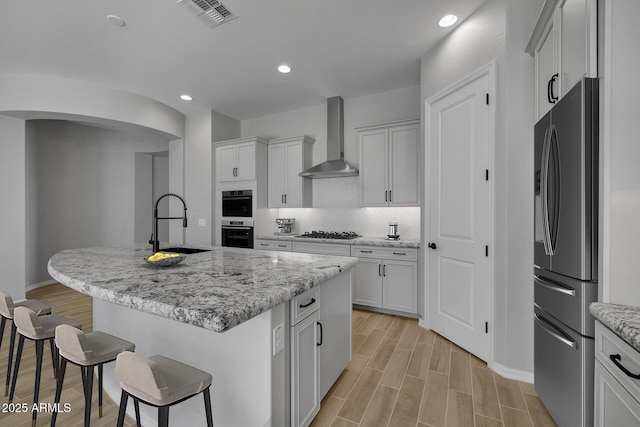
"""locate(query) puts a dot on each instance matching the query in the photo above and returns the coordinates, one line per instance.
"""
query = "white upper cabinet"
(287, 158)
(564, 44)
(389, 164)
(236, 159)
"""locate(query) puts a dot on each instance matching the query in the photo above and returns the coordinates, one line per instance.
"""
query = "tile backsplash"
(336, 207)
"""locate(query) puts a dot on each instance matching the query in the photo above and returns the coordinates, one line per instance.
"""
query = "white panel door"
(403, 168)
(276, 175)
(293, 164)
(373, 168)
(459, 224)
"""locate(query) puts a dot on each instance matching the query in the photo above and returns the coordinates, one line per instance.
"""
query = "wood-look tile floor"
(77, 306)
(403, 375)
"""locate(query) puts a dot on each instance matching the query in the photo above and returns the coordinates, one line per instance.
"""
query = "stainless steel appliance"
(237, 203)
(565, 254)
(329, 234)
(393, 230)
(237, 234)
(285, 225)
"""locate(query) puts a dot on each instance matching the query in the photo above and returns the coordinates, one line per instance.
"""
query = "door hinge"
(487, 99)
(486, 327)
(486, 250)
(486, 174)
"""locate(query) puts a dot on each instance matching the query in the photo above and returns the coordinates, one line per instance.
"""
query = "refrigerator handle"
(544, 193)
(554, 160)
(550, 329)
(554, 287)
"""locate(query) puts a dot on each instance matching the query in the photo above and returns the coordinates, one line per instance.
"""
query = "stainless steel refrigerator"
(566, 254)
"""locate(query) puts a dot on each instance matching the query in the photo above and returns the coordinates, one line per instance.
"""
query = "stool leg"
(99, 391)
(136, 405)
(54, 358)
(123, 407)
(163, 416)
(2, 323)
(36, 387)
(16, 368)
(207, 407)
(87, 394)
(63, 368)
(12, 342)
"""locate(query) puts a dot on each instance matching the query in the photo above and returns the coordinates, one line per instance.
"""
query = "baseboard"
(40, 284)
(514, 374)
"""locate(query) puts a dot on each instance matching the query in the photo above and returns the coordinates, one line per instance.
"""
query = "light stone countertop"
(624, 320)
(215, 290)
(363, 240)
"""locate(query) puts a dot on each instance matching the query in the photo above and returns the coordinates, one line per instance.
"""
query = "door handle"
(384, 270)
(321, 335)
(285, 199)
(550, 96)
(432, 245)
(379, 272)
(386, 197)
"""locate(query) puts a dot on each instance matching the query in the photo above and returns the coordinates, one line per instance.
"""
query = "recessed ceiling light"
(448, 21)
(186, 97)
(116, 20)
(284, 69)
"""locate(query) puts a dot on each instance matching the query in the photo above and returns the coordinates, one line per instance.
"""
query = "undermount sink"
(185, 250)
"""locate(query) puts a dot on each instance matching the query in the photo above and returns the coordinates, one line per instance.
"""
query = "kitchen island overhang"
(216, 311)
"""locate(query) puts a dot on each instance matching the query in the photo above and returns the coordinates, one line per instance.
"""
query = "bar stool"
(38, 329)
(161, 382)
(87, 351)
(6, 312)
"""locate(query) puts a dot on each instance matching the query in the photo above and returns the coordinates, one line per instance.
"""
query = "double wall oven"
(237, 219)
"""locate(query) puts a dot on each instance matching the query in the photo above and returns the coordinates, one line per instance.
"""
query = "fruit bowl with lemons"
(164, 259)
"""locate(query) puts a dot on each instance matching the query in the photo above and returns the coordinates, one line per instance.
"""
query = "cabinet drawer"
(273, 245)
(322, 248)
(304, 304)
(402, 254)
(609, 344)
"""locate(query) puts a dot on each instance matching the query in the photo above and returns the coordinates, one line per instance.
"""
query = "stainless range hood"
(335, 166)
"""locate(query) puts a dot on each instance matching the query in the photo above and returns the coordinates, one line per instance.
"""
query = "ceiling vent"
(211, 12)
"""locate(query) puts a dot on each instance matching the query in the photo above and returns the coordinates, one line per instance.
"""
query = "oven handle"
(554, 287)
(225, 227)
(551, 330)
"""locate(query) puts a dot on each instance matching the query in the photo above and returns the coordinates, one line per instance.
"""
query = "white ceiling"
(335, 47)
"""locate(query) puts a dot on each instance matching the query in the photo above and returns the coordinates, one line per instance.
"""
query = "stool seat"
(161, 382)
(40, 328)
(89, 349)
(7, 305)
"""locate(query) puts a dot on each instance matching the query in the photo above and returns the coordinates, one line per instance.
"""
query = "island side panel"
(240, 360)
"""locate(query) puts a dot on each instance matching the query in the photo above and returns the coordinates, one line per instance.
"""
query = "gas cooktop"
(329, 234)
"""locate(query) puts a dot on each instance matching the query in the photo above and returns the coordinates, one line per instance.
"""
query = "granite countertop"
(624, 320)
(215, 290)
(363, 240)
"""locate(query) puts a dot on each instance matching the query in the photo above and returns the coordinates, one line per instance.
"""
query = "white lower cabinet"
(617, 393)
(305, 370)
(386, 278)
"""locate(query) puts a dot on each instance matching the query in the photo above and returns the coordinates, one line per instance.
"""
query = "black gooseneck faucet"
(154, 237)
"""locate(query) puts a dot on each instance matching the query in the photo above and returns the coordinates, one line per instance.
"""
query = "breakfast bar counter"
(218, 311)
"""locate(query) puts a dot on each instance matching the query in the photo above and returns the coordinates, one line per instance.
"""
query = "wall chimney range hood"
(335, 166)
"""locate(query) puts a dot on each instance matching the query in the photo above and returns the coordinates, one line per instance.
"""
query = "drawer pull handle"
(615, 358)
(399, 253)
(550, 329)
(554, 287)
(365, 252)
(313, 300)
(282, 246)
(264, 244)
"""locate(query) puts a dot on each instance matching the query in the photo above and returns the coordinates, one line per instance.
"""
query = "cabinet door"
(400, 286)
(403, 166)
(276, 173)
(293, 182)
(577, 41)
(614, 406)
(545, 70)
(305, 372)
(368, 283)
(373, 168)
(246, 161)
(226, 163)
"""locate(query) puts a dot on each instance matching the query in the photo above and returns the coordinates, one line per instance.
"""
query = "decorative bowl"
(166, 262)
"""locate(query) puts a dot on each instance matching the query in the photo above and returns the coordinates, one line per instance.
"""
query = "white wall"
(336, 200)
(82, 188)
(13, 211)
(499, 32)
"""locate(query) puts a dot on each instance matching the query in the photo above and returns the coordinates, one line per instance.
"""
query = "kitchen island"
(218, 311)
